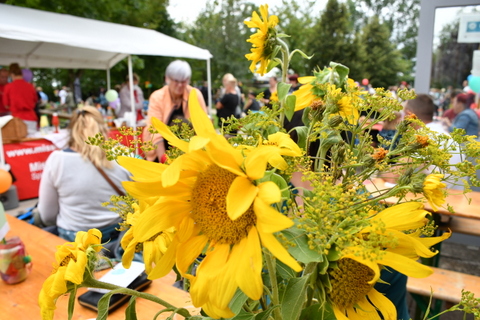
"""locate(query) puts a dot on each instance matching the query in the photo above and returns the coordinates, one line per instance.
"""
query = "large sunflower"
(263, 42)
(211, 196)
(358, 269)
(72, 260)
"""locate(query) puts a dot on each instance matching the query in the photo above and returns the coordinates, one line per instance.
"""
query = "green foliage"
(384, 63)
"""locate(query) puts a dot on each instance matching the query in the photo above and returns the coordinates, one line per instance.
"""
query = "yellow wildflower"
(433, 189)
(71, 261)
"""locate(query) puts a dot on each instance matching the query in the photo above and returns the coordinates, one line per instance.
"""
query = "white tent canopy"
(41, 39)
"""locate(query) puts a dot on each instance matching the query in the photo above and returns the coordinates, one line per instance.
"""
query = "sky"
(179, 12)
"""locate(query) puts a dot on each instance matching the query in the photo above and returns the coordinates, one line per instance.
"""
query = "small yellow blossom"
(433, 189)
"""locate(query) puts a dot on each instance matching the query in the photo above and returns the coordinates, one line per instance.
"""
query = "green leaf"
(103, 305)
(303, 54)
(71, 302)
(305, 116)
(244, 315)
(341, 70)
(237, 301)
(302, 136)
(290, 106)
(301, 251)
(282, 90)
(130, 312)
(265, 314)
(284, 271)
(273, 63)
(318, 312)
(294, 297)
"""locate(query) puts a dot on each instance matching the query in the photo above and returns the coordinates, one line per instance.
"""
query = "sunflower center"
(209, 203)
(350, 282)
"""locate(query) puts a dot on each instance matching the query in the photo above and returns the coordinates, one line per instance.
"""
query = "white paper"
(120, 276)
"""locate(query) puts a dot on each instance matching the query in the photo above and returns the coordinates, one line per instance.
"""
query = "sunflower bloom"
(353, 295)
(304, 94)
(211, 197)
(347, 110)
(71, 261)
(153, 248)
(433, 189)
(263, 41)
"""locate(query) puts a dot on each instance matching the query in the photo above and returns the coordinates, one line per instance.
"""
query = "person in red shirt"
(20, 97)
(3, 84)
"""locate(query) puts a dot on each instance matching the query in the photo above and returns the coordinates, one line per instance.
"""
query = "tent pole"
(133, 118)
(108, 79)
(209, 80)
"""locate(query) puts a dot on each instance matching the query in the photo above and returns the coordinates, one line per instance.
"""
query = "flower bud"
(335, 121)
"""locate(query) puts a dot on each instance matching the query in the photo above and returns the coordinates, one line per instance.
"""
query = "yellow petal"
(150, 222)
(339, 314)
(271, 243)
(172, 139)
(142, 190)
(404, 216)
(250, 261)
(269, 192)
(240, 197)
(200, 120)
(189, 251)
(386, 307)
(142, 170)
(256, 161)
(270, 220)
(165, 264)
(405, 265)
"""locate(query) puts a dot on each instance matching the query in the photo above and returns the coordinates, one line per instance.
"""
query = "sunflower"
(304, 94)
(358, 269)
(211, 197)
(153, 248)
(264, 41)
(433, 189)
(348, 112)
(72, 260)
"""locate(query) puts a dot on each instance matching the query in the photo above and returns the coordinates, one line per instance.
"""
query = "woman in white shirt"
(72, 189)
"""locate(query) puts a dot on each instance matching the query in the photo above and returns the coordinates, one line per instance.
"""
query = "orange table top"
(20, 300)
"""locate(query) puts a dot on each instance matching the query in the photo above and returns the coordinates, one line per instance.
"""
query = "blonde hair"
(85, 123)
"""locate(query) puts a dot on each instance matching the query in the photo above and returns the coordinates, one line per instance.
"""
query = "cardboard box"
(14, 130)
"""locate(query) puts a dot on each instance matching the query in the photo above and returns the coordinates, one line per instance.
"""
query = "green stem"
(273, 281)
(93, 283)
(285, 64)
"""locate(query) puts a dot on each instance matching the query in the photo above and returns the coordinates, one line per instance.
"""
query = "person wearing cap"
(170, 103)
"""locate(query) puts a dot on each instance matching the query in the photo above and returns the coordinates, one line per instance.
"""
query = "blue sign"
(473, 26)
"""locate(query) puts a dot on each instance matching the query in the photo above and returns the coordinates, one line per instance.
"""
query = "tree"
(452, 61)
(333, 39)
(295, 20)
(401, 17)
(220, 29)
(384, 64)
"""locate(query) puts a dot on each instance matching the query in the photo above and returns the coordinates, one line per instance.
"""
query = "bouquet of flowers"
(277, 222)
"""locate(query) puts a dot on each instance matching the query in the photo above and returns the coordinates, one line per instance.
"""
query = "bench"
(462, 225)
(446, 285)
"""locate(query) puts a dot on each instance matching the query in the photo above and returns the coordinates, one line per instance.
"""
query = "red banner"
(27, 160)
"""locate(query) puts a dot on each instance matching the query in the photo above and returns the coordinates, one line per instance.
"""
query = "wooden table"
(465, 206)
(19, 301)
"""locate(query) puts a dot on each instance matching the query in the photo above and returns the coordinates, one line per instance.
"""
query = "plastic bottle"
(44, 124)
(55, 121)
(110, 117)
